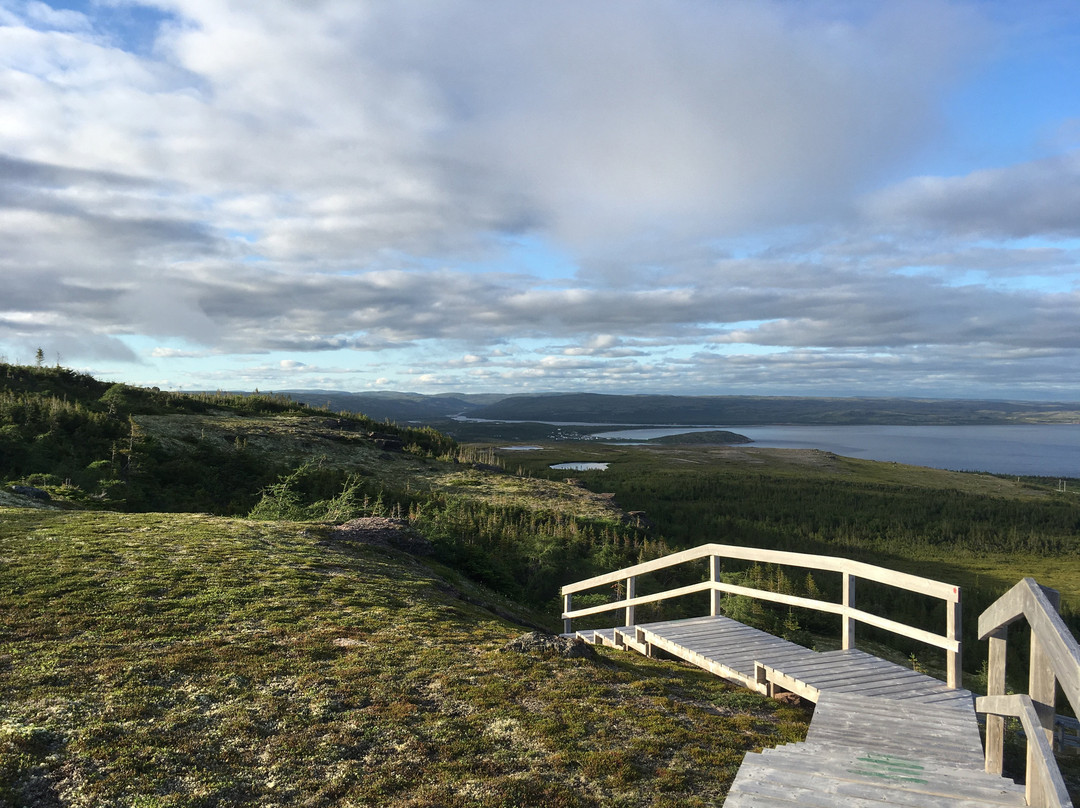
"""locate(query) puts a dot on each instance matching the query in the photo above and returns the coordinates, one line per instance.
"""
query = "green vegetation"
(182, 626)
(977, 530)
(186, 660)
(94, 442)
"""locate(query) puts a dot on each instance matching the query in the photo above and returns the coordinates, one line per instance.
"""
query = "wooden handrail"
(1047, 787)
(1055, 659)
(913, 583)
(851, 571)
(1034, 603)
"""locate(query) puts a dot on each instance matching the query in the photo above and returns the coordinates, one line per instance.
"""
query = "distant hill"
(602, 408)
(394, 406)
(747, 410)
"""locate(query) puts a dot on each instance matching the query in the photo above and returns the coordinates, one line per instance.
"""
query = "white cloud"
(1038, 198)
(62, 19)
(345, 176)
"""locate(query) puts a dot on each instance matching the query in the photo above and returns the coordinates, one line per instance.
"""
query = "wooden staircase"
(870, 751)
(882, 734)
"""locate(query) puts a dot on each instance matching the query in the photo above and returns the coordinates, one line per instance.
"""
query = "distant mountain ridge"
(394, 406)
(604, 408)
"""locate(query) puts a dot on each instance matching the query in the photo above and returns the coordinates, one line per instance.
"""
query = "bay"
(1039, 450)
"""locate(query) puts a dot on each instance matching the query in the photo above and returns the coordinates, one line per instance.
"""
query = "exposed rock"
(30, 491)
(342, 424)
(388, 443)
(544, 644)
(383, 532)
(488, 468)
(788, 698)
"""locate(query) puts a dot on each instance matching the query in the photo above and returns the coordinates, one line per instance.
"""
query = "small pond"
(580, 466)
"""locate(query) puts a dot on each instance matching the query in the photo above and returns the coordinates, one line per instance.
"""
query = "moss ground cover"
(186, 660)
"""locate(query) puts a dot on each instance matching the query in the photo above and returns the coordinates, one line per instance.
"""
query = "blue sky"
(682, 196)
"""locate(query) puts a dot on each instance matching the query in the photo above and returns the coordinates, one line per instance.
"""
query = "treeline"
(891, 525)
(745, 410)
(528, 554)
(799, 513)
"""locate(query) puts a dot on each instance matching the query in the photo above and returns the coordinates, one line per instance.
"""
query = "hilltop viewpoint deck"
(882, 733)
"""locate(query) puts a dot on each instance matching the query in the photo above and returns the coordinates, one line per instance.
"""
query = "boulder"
(544, 644)
(30, 491)
(384, 532)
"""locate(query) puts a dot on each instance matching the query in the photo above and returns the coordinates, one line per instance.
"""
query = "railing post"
(849, 603)
(995, 686)
(1042, 684)
(714, 576)
(631, 592)
(567, 608)
(953, 630)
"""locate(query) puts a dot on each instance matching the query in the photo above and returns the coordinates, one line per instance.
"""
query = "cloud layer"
(684, 195)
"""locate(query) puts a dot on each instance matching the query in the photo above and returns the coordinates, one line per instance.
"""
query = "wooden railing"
(1055, 659)
(851, 571)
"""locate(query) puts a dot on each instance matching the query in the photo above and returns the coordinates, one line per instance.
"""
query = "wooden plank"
(848, 632)
(856, 677)
(746, 644)
(852, 703)
(705, 635)
(866, 706)
(901, 689)
(900, 728)
(721, 670)
(901, 775)
(815, 757)
(862, 783)
(839, 660)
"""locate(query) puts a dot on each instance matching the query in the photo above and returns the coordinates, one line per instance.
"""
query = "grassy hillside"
(90, 441)
(93, 445)
(190, 660)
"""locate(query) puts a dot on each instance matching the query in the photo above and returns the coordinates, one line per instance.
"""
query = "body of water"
(1042, 450)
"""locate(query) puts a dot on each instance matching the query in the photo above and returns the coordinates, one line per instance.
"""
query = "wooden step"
(823, 776)
(908, 729)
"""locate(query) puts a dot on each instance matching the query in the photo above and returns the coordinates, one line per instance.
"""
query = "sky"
(708, 197)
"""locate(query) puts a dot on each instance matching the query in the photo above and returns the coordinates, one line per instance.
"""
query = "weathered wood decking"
(881, 733)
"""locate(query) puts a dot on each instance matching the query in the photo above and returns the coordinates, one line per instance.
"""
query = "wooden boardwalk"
(881, 733)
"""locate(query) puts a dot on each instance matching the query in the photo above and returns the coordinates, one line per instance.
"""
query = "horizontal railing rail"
(1054, 660)
(851, 571)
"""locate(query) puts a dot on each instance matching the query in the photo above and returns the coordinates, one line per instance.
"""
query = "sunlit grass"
(185, 660)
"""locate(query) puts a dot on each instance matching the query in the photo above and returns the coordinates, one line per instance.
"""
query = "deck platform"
(882, 734)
